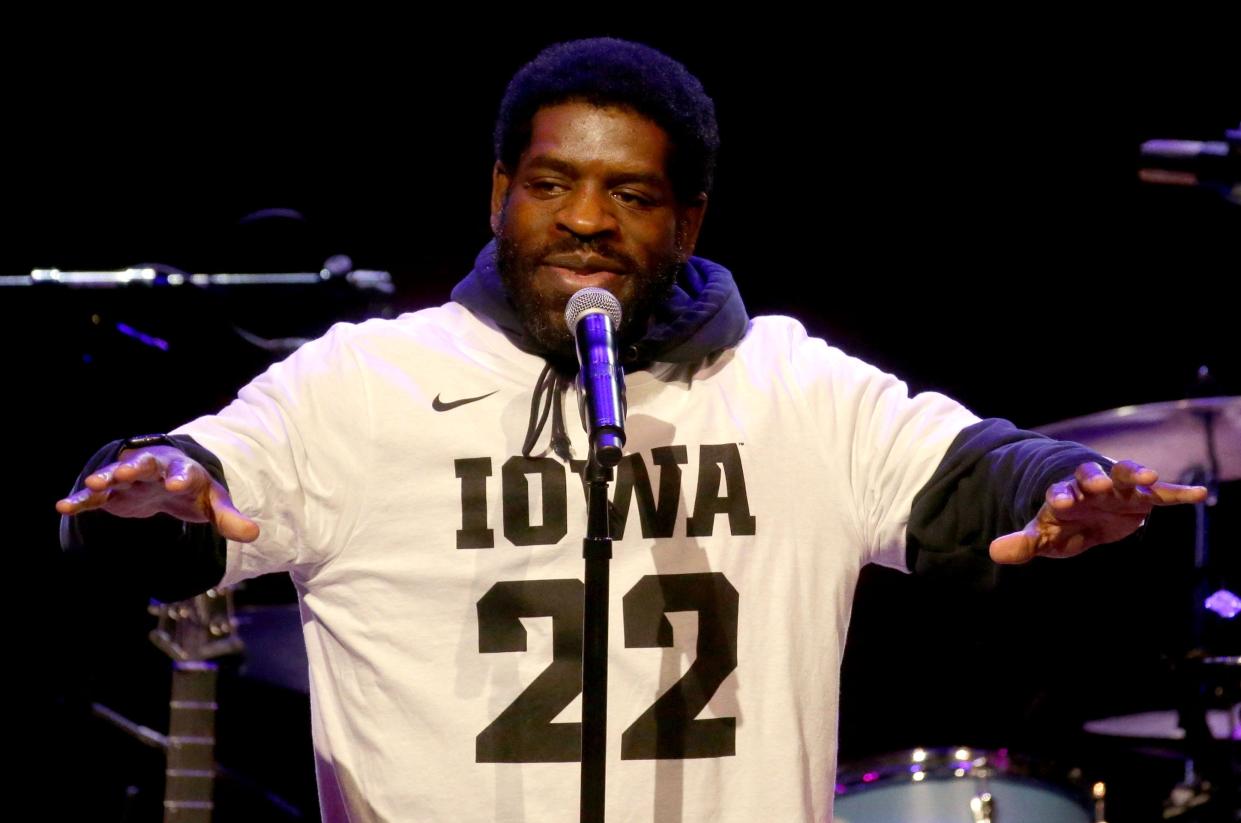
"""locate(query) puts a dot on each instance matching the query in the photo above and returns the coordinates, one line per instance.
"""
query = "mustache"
(578, 248)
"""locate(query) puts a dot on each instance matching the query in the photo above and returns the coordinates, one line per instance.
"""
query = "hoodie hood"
(703, 314)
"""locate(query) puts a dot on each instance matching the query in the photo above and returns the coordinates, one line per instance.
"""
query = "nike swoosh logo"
(439, 406)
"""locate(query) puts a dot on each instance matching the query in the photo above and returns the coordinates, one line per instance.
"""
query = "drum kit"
(1194, 441)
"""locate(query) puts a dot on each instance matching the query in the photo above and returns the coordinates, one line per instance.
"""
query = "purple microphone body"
(593, 315)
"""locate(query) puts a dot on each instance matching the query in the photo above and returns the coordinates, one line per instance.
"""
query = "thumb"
(230, 523)
(1017, 547)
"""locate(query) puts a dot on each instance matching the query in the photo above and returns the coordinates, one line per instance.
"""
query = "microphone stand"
(597, 550)
(603, 412)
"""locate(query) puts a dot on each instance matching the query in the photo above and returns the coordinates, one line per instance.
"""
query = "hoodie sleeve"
(991, 481)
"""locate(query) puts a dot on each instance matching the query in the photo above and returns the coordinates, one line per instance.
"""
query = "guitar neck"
(190, 771)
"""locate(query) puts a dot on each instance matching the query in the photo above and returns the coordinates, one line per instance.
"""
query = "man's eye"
(546, 187)
(632, 198)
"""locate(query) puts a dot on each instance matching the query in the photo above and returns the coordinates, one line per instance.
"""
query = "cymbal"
(1169, 437)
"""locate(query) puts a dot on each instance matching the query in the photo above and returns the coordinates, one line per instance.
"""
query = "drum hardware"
(1197, 441)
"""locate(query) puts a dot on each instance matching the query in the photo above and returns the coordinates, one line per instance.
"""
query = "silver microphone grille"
(591, 299)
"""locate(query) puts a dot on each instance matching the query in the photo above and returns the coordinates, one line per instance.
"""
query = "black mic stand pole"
(603, 407)
(597, 549)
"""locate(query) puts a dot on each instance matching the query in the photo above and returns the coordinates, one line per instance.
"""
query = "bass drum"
(957, 786)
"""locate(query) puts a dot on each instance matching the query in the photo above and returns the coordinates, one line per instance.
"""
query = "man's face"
(590, 204)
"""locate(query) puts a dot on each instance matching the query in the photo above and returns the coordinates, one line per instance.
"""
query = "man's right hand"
(158, 479)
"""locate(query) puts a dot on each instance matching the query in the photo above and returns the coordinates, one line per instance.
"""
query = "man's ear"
(689, 224)
(500, 182)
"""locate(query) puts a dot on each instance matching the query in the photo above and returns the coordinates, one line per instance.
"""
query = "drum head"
(952, 785)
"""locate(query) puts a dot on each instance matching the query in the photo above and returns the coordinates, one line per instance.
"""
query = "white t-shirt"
(439, 571)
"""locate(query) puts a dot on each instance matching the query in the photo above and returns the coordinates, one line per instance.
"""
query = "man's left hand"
(1092, 508)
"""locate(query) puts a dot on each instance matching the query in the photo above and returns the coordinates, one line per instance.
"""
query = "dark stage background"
(964, 213)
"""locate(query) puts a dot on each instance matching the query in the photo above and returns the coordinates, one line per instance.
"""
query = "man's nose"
(587, 212)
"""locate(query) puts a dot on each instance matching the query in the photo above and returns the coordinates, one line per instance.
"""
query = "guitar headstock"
(200, 628)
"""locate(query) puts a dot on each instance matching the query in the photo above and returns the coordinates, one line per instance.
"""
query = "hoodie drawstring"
(549, 391)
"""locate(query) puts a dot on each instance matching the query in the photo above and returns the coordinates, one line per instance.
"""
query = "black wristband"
(141, 441)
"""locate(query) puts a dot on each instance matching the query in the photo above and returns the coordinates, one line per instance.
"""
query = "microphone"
(593, 315)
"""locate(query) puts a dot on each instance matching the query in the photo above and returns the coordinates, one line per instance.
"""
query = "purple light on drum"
(1224, 603)
(840, 788)
(142, 337)
(870, 777)
(915, 769)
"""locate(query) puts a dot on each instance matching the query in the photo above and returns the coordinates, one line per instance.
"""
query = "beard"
(541, 308)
